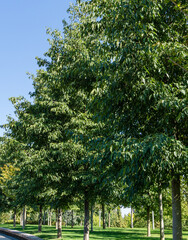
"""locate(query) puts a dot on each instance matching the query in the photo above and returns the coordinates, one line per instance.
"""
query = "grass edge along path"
(76, 233)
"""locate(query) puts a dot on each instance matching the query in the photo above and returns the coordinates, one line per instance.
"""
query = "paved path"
(3, 237)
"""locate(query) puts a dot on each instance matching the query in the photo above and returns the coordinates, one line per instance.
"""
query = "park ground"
(76, 233)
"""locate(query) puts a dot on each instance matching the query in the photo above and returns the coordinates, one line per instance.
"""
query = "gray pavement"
(4, 237)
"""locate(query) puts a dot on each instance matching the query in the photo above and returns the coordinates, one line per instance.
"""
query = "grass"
(76, 233)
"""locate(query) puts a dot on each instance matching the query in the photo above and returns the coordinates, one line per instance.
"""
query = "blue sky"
(23, 36)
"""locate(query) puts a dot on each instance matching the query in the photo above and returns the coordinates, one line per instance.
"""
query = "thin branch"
(178, 65)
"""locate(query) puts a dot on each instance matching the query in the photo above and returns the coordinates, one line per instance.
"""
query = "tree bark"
(109, 218)
(21, 219)
(176, 209)
(14, 217)
(148, 222)
(103, 216)
(162, 236)
(40, 219)
(72, 221)
(49, 218)
(44, 218)
(59, 223)
(99, 218)
(86, 219)
(132, 218)
(153, 220)
(24, 218)
(56, 218)
(92, 218)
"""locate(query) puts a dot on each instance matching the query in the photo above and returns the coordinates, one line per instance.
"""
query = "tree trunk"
(176, 209)
(24, 218)
(92, 218)
(153, 220)
(40, 219)
(162, 236)
(86, 219)
(132, 218)
(49, 218)
(109, 218)
(44, 218)
(21, 219)
(72, 221)
(148, 222)
(59, 223)
(99, 218)
(14, 217)
(56, 218)
(103, 216)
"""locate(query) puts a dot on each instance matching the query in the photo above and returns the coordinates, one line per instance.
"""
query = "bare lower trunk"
(148, 222)
(86, 220)
(176, 209)
(44, 218)
(162, 236)
(103, 216)
(92, 218)
(59, 223)
(56, 218)
(49, 218)
(132, 218)
(109, 218)
(99, 218)
(21, 219)
(24, 218)
(72, 221)
(14, 217)
(40, 219)
(153, 220)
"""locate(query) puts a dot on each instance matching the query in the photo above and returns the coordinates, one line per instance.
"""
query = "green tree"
(138, 53)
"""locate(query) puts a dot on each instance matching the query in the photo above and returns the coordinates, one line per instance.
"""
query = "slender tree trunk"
(99, 218)
(14, 217)
(153, 220)
(44, 218)
(148, 222)
(92, 218)
(49, 218)
(86, 219)
(24, 218)
(59, 221)
(162, 236)
(109, 218)
(40, 219)
(72, 221)
(103, 216)
(176, 209)
(132, 218)
(21, 219)
(56, 218)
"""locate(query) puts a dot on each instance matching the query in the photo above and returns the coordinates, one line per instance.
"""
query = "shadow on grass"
(76, 233)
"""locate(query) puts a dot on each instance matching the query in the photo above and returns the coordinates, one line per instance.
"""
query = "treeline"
(107, 118)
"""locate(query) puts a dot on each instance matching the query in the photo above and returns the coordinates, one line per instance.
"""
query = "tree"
(141, 80)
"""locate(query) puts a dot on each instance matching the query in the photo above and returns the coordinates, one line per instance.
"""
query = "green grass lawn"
(76, 233)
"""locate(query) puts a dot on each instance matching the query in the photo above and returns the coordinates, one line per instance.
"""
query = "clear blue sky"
(23, 36)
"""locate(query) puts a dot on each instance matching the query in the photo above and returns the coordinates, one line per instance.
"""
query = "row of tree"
(107, 120)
